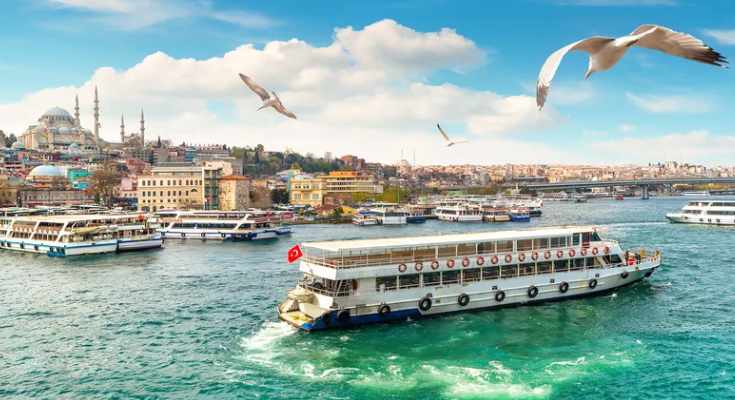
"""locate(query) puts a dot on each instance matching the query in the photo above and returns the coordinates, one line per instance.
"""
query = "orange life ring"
(402, 268)
(594, 251)
(508, 258)
(521, 257)
(559, 253)
(534, 256)
(418, 266)
(606, 250)
(480, 260)
(435, 264)
(583, 252)
(450, 263)
(572, 252)
(494, 259)
(465, 262)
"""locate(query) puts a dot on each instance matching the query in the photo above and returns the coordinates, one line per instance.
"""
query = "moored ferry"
(391, 216)
(459, 213)
(520, 214)
(495, 214)
(705, 212)
(221, 225)
(356, 282)
(364, 218)
(59, 235)
(137, 232)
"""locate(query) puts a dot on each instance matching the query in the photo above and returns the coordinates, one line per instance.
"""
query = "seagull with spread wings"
(450, 143)
(268, 100)
(605, 52)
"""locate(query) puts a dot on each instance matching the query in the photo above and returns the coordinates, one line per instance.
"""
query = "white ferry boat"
(137, 232)
(364, 218)
(58, 235)
(696, 193)
(221, 225)
(391, 216)
(355, 282)
(705, 212)
(496, 214)
(459, 213)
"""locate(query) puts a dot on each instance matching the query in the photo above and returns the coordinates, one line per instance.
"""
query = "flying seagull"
(268, 101)
(605, 52)
(450, 143)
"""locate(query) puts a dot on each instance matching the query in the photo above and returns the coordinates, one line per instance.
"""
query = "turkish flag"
(294, 254)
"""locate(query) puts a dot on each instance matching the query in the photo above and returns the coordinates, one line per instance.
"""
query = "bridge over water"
(642, 183)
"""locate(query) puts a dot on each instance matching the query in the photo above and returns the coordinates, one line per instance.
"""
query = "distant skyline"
(371, 79)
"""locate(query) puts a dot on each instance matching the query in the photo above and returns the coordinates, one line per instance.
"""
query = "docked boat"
(520, 214)
(364, 218)
(619, 197)
(221, 225)
(496, 214)
(58, 235)
(137, 232)
(391, 216)
(459, 213)
(580, 199)
(705, 212)
(695, 193)
(354, 282)
(416, 216)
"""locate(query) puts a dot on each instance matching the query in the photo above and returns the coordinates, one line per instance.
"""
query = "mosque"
(58, 130)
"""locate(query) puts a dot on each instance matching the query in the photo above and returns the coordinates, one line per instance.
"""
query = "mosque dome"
(64, 129)
(39, 129)
(45, 171)
(74, 146)
(56, 112)
(17, 146)
(74, 130)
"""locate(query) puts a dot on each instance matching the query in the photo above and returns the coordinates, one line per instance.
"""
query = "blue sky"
(382, 84)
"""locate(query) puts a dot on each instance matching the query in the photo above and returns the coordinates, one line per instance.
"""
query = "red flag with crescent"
(294, 254)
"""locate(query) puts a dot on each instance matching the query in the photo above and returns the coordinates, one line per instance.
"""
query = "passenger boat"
(137, 232)
(416, 216)
(580, 199)
(705, 212)
(61, 236)
(364, 218)
(459, 213)
(391, 216)
(221, 225)
(520, 214)
(354, 282)
(496, 214)
(619, 197)
(695, 193)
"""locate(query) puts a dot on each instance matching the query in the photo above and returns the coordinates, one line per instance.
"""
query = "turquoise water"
(199, 320)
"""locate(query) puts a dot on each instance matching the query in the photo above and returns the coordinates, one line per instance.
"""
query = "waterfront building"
(307, 189)
(180, 186)
(345, 182)
(234, 193)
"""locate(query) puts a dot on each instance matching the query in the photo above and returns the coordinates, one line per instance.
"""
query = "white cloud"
(627, 128)
(572, 93)
(356, 98)
(594, 133)
(671, 104)
(695, 146)
(135, 14)
(722, 36)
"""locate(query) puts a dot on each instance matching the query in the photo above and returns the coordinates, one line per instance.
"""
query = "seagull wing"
(281, 109)
(461, 141)
(678, 44)
(590, 45)
(255, 87)
(443, 134)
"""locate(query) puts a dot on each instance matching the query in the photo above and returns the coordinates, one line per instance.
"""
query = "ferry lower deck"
(350, 283)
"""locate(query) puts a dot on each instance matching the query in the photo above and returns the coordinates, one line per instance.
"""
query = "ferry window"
(558, 242)
(540, 243)
(447, 251)
(449, 277)
(575, 239)
(388, 282)
(508, 271)
(592, 262)
(432, 278)
(527, 269)
(505, 246)
(544, 267)
(561, 266)
(470, 275)
(596, 237)
(490, 273)
(486, 248)
(577, 263)
(615, 259)
(525, 245)
(408, 280)
(466, 249)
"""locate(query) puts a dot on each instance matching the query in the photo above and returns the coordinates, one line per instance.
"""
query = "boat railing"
(322, 290)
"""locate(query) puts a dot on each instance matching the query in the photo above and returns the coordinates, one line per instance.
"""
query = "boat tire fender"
(425, 303)
(499, 296)
(463, 299)
(343, 316)
(593, 283)
(624, 275)
(563, 287)
(532, 291)
(326, 317)
(183, 235)
(384, 310)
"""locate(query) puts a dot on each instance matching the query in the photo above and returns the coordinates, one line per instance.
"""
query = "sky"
(374, 78)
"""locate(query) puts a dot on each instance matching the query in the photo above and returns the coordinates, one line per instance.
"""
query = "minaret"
(122, 129)
(142, 128)
(76, 112)
(96, 117)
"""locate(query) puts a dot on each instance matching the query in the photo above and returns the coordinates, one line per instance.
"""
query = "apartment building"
(171, 186)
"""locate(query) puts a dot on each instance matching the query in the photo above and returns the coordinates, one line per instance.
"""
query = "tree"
(279, 196)
(11, 139)
(345, 167)
(259, 148)
(104, 182)
(328, 156)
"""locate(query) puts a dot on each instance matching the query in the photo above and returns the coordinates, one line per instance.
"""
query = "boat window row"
(203, 225)
(693, 212)
(712, 212)
(722, 204)
(406, 281)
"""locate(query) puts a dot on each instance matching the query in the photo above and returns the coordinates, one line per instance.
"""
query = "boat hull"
(60, 250)
(139, 245)
(482, 297)
(415, 220)
(223, 235)
(701, 220)
(461, 218)
(516, 218)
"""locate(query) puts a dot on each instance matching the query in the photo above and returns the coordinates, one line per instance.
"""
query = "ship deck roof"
(417, 241)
